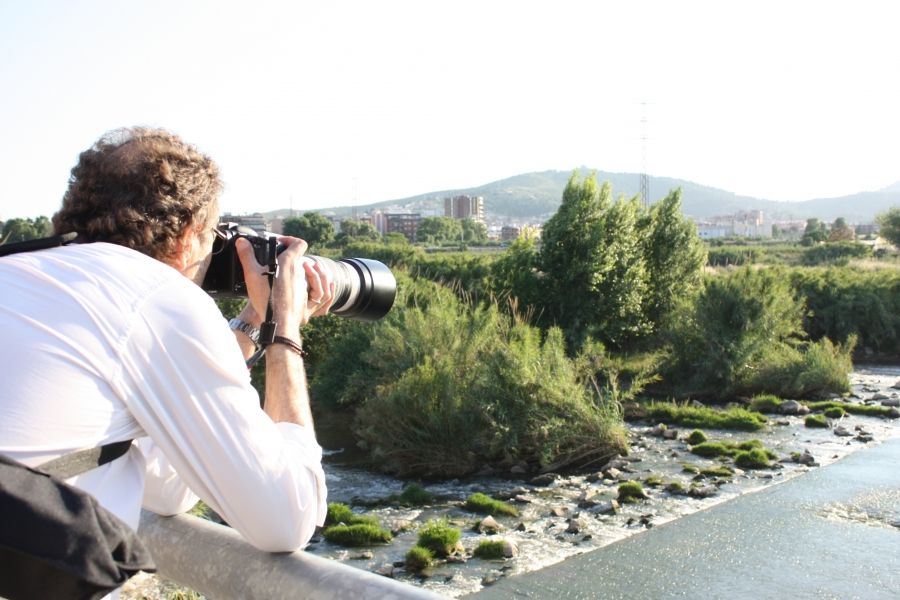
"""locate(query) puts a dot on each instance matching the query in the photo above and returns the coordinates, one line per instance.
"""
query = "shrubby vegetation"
(742, 333)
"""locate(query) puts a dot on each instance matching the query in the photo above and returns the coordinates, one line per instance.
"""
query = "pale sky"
(320, 104)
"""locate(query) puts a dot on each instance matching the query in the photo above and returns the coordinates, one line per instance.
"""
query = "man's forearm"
(287, 396)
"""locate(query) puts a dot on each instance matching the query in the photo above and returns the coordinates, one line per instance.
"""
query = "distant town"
(750, 224)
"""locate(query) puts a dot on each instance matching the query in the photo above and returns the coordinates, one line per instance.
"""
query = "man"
(112, 339)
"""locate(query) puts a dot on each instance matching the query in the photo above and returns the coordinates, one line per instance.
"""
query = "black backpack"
(56, 541)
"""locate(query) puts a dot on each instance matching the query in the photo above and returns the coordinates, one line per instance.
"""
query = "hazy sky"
(329, 103)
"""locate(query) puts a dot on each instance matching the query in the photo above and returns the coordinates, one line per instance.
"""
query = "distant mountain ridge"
(536, 196)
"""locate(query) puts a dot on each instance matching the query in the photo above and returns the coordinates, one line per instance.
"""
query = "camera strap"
(267, 328)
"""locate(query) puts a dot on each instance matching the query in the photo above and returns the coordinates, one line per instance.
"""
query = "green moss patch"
(756, 458)
(439, 537)
(728, 449)
(485, 505)
(720, 471)
(696, 437)
(835, 412)
(490, 550)
(702, 417)
(870, 410)
(765, 403)
(818, 421)
(361, 534)
(631, 491)
(419, 558)
(341, 513)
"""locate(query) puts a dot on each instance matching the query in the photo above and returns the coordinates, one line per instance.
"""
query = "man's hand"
(302, 290)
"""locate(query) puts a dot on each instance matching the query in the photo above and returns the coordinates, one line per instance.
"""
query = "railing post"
(215, 561)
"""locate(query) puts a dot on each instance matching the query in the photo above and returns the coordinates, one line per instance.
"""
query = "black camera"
(364, 288)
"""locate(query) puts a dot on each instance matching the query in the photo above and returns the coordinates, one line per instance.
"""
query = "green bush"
(438, 537)
(743, 334)
(815, 421)
(490, 550)
(360, 534)
(835, 253)
(697, 436)
(844, 301)
(631, 491)
(449, 387)
(480, 503)
(419, 558)
(756, 458)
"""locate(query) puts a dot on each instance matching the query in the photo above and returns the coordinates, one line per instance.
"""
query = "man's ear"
(181, 257)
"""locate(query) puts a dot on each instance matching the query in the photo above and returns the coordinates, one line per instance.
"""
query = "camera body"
(365, 289)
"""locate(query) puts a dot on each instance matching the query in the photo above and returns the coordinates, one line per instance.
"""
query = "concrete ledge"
(215, 561)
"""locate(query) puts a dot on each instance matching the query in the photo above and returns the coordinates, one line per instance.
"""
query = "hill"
(535, 196)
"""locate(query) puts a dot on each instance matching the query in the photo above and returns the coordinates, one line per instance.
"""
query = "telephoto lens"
(365, 289)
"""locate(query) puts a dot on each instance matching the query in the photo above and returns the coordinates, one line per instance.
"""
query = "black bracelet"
(280, 339)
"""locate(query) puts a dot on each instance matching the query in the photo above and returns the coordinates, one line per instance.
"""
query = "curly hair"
(139, 188)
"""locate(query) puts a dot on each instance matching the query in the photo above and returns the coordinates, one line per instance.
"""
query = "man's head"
(145, 189)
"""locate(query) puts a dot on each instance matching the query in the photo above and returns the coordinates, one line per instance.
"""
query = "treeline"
(525, 357)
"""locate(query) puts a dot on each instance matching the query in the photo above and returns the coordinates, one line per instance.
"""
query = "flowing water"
(555, 522)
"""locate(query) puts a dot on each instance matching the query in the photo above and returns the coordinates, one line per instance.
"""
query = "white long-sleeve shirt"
(102, 344)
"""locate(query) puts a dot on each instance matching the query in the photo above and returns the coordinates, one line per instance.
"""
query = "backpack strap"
(81, 461)
(38, 244)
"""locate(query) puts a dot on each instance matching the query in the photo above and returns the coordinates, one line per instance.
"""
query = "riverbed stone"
(792, 407)
(893, 413)
(488, 525)
(612, 473)
(896, 386)
(573, 526)
(702, 491)
(891, 402)
(880, 396)
(544, 479)
(510, 549)
(842, 431)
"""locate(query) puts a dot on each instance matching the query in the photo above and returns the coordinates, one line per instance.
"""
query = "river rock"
(880, 396)
(896, 386)
(573, 526)
(519, 469)
(510, 549)
(842, 431)
(559, 511)
(893, 413)
(488, 525)
(606, 507)
(792, 407)
(612, 473)
(704, 491)
(891, 402)
(806, 459)
(514, 493)
(544, 479)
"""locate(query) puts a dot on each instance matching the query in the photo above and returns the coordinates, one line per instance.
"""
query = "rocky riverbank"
(560, 516)
(563, 515)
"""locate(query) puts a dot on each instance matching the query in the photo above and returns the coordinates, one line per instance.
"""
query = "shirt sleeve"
(184, 380)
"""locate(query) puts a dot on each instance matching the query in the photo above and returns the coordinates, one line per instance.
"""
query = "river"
(552, 527)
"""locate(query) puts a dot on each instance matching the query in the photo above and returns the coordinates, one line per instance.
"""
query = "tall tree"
(816, 231)
(356, 231)
(593, 266)
(474, 232)
(312, 227)
(840, 231)
(436, 230)
(674, 256)
(889, 221)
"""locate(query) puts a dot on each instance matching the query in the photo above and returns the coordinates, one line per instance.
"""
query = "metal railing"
(215, 561)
